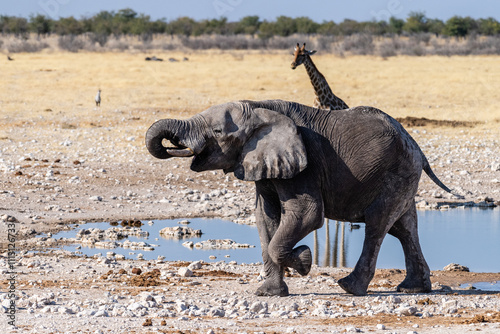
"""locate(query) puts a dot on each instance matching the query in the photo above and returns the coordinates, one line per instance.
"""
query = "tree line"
(128, 22)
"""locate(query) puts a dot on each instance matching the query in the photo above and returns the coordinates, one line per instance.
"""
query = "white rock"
(181, 306)
(188, 244)
(257, 307)
(322, 311)
(65, 310)
(135, 306)
(455, 267)
(46, 309)
(184, 272)
(101, 313)
(381, 327)
(406, 310)
(394, 299)
(146, 297)
(195, 265)
(216, 312)
(278, 314)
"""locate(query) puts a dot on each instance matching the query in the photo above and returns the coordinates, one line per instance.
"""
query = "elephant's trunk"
(168, 129)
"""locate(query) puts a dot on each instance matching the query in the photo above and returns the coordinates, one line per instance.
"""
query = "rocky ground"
(59, 293)
(58, 175)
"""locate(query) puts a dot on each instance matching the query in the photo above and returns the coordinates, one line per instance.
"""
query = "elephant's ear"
(275, 149)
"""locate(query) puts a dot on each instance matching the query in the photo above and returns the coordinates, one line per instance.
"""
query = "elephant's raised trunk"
(167, 129)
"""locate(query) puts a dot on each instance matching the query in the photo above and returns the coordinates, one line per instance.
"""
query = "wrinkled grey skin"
(357, 165)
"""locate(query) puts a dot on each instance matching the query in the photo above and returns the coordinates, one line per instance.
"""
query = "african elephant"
(357, 165)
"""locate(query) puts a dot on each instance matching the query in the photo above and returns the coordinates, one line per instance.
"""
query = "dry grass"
(60, 87)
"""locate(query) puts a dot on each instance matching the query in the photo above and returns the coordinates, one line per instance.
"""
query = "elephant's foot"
(272, 288)
(415, 286)
(300, 259)
(353, 286)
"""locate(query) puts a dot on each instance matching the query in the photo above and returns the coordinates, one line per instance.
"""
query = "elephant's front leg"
(299, 210)
(268, 215)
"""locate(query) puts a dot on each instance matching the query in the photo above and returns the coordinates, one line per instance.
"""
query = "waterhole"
(470, 237)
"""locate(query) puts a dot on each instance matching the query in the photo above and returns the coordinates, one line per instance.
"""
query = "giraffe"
(325, 99)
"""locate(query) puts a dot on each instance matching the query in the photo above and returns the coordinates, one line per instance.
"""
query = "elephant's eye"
(217, 132)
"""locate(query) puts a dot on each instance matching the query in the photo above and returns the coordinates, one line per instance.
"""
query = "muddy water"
(470, 237)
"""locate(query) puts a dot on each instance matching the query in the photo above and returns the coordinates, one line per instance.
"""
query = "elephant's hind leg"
(417, 271)
(379, 218)
(358, 280)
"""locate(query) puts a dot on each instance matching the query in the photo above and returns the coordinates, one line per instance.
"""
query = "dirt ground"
(62, 160)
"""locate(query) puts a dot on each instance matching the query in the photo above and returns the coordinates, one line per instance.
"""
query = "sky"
(234, 10)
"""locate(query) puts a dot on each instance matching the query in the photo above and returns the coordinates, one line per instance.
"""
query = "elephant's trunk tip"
(181, 153)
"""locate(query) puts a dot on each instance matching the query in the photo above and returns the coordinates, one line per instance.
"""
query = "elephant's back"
(358, 127)
(369, 147)
(364, 136)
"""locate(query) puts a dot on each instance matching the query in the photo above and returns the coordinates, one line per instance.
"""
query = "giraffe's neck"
(325, 98)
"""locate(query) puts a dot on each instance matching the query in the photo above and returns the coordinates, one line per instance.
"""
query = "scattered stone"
(179, 232)
(455, 267)
(352, 329)
(185, 272)
(188, 244)
(221, 244)
(406, 310)
(195, 265)
(136, 271)
(216, 312)
(147, 322)
(101, 313)
(258, 307)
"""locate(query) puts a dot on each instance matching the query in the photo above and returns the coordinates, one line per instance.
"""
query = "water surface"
(470, 237)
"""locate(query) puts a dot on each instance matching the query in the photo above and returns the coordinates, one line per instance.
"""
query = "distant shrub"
(98, 38)
(71, 43)
(359, 44)
(391, 47)
(326, 43)
(164, 45)
(286, 43)
(222, 42)
(417, 44)
(118, 45)
(414, 49)
(22, 45)
(386, 50)
(421, 38)
(484, 46)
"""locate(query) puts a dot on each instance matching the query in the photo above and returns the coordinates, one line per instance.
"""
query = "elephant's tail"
(428, 170)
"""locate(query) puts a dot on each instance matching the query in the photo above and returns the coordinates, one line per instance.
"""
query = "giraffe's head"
(300, 54)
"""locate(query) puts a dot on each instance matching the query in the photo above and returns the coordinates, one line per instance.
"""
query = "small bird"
(98, 98)
(8, 57)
